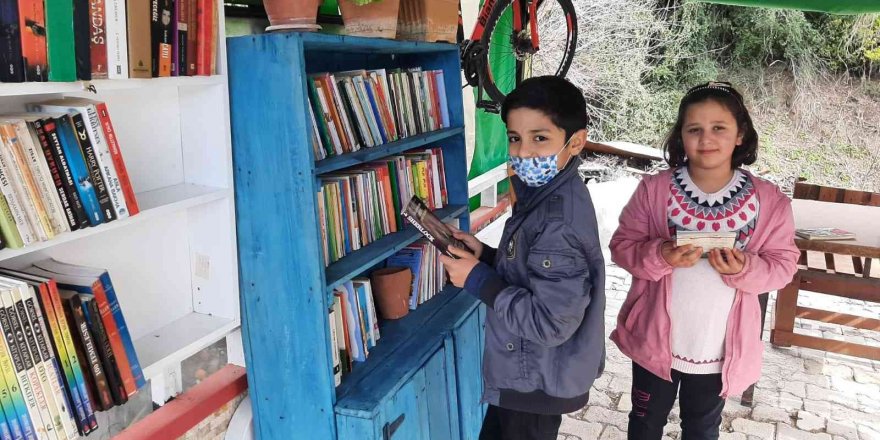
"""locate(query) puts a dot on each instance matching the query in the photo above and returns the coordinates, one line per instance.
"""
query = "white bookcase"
(174, 265)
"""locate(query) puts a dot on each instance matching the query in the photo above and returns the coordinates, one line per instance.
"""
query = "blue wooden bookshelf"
(286, 291)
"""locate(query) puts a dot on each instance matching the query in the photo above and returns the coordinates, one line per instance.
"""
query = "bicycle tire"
(488, 83)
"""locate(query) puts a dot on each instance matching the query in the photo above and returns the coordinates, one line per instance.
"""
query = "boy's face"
(530, 133)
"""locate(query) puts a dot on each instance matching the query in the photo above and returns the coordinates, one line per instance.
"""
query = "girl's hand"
(459, 269)
(473, 243)
(680, 256)
(727, 261)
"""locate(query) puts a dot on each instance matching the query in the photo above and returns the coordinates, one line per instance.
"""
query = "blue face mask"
(536, 171)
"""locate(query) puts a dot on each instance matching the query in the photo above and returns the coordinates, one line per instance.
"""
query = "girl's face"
(710, 134)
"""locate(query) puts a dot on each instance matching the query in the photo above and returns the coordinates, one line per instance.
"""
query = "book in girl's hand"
(824, 234)
(417, 213)
(706, 240)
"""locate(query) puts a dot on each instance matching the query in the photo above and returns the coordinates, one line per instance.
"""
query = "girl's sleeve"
(632, 246)
(772, 266)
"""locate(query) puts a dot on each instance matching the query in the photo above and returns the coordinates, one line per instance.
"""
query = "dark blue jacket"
(545, 292)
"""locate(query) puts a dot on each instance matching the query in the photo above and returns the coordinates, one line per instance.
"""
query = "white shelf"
(152, 204)
(179, 340)
(43, 88)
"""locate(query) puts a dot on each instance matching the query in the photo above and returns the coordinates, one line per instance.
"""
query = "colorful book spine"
(118, 162)
(11, 61)
(60, 40)
(81, 218)
(99, 48)
(79, 171)
(11, 396)
(59, 406)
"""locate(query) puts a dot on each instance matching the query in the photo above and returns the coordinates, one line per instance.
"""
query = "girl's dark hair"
(556, 97)
(722, 93)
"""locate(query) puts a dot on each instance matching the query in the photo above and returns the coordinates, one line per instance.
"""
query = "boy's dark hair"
(725, 95)
(557, 98)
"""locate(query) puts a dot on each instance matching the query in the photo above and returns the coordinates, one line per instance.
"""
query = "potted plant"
(370, 18)
(293, 15)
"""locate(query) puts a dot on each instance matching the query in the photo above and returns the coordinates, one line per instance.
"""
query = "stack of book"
(65, 353)
(61, 170)
(354, 326)
(366, 108)
(429, 277)
(360, 205)
(64, 40)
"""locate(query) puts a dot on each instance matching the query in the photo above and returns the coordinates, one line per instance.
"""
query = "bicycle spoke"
(513, 57)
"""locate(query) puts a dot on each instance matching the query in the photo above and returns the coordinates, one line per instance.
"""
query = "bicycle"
(523, 44)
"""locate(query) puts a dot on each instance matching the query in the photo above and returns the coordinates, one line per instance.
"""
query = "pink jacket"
(643, 325)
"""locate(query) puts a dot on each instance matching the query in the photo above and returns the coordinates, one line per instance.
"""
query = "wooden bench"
(840, 268)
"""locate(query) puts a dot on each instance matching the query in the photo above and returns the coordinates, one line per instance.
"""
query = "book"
(60, 40)
(99, 48)
(97, 281)
(11, 61)
(82, 32)
(706, 240)
(140, 58)
(11, 367)
(116, 41)
(96, 150)
(824, 234)
(33, 19)
(61, 344)
(426, 222)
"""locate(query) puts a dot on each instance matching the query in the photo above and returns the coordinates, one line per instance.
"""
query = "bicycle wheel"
(509, 57)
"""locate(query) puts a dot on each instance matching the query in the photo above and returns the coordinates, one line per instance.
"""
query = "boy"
(544, 286)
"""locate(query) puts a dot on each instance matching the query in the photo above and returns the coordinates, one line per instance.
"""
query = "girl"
(690, 323)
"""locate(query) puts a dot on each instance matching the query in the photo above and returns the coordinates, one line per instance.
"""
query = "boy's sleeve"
(773, 265)
(632, 247)
(552, 306)
(488, 254)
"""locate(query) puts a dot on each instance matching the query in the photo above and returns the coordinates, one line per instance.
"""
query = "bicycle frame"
(518, 23)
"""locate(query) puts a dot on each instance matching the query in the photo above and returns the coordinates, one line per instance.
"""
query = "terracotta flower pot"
(391, 290)
(428, 20)
(376, 19)
(294, 15)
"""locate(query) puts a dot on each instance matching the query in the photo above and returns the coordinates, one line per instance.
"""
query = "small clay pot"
(392, 287)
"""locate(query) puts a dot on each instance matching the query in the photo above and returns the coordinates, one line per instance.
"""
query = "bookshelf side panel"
(284, 320)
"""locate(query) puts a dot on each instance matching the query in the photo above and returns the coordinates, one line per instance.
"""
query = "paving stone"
(807, 421)
(785, 432)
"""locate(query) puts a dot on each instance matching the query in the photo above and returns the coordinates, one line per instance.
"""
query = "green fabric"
(490, 148)
(329, 7)
(830, 6)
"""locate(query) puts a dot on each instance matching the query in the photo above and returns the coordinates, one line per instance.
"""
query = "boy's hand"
(727, 261)
(459, 269)
(473, 243)
(680, 256)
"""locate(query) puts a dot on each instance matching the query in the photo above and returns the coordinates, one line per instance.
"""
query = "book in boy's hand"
(824, 234)
(417, 213)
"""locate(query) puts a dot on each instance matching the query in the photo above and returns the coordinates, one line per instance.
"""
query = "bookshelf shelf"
(101, 85)
(362, 259)
(367, 154)
(432, 353)
(153, 204)
(179, 340)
